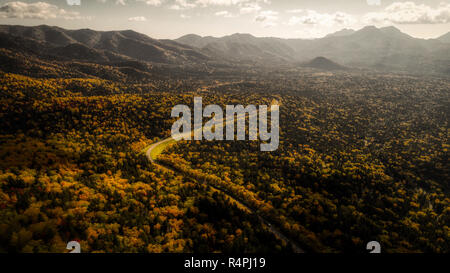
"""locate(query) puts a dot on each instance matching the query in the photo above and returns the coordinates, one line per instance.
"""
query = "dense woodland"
(362, 157)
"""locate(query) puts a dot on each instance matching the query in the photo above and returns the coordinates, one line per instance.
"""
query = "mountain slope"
(241, 47)
(445, 38)
(343, 32)
(85, 44)
(324, 64)
(370, 46)
(385, 49)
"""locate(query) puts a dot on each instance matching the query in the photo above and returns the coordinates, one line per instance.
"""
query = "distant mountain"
(86, 44)
(343, 32)
(382, 48)
(386, 49)
(445, 38)
(323, 63)
(241, 48)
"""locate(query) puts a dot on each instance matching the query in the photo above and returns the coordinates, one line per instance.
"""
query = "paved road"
(153, 147)
(157, 148)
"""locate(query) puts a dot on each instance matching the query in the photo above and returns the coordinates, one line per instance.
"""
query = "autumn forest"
(363, 156)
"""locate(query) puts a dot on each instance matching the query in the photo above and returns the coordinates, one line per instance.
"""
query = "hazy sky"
(278, 18)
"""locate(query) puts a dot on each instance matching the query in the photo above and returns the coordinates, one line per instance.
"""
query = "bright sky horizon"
(170, 19)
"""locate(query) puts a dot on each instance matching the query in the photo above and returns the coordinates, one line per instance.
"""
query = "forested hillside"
(361, 158)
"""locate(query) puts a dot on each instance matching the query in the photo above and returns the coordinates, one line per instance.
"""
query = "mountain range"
(377, 48)
(96, 45)
(386, 49)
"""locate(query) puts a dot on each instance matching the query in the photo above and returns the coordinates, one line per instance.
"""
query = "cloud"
(183, 4)
(246, 6)
(410, 13)
(249, 8)
(268, 18)
(295, 11)
(219, 2)
(154, 3)
(120, 2)
(373, 2)
(38, 10)
(73, 2)
(227, 2)
(137, 19)
(224, 13)
(312, 17)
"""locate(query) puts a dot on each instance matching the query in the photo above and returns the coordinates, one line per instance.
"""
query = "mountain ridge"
(385, 49)
(125, 44)
(444, 38)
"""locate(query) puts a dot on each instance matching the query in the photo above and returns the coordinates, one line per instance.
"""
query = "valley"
(86, 153)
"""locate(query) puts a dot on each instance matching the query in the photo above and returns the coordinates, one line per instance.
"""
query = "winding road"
(157, 148)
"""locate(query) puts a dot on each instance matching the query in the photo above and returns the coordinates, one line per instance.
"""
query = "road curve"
(152, 147)
(157, 148)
